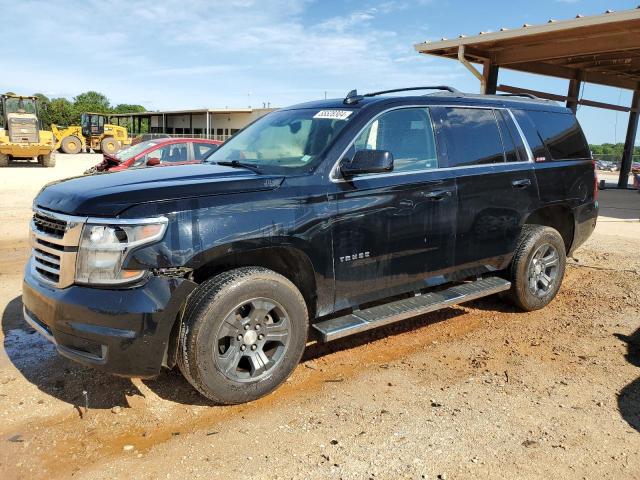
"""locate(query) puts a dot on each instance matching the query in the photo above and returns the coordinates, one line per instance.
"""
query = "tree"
(128, 108)
(91, 101)
(62, 112)
(43, 109)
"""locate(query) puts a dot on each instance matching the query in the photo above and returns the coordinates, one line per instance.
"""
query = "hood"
(109, 194)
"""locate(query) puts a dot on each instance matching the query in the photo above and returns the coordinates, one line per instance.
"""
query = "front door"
(392, 230)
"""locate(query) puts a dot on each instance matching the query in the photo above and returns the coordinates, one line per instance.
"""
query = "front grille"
(54, 242)
(50, 226)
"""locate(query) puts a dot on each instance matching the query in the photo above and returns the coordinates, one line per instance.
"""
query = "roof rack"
(353, 97)
(526, 95)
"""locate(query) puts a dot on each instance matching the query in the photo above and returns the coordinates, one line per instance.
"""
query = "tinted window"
(407, 133)
(523, 156)
(561, 134)
(530, 132)
(472, 137)
(510, 152)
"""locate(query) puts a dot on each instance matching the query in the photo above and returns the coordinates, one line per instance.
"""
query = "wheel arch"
(560, 217)
(288, 261)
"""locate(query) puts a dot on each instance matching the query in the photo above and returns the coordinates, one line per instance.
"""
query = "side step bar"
(361, 320)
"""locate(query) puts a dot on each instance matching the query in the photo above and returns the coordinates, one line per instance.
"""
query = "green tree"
(62, 112)
(43, 109)
(128, 108)
(91, 101)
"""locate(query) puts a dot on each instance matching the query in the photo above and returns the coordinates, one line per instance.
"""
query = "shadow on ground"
(38, 361)
(629, 397)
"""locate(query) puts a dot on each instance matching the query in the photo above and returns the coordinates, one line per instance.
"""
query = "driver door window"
(407, 133)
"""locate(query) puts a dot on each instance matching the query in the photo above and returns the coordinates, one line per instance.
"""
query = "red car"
(161, 151)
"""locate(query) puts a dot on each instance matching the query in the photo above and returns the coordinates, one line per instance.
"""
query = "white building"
(217, 123)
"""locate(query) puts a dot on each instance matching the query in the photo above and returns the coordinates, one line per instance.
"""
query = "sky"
(182, 54)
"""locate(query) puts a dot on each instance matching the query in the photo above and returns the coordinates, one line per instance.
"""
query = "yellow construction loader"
(20, 133)
(94, 133)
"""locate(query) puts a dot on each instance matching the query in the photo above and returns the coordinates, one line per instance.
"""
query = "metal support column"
(573, 93)
(490, 73)
(629, 143)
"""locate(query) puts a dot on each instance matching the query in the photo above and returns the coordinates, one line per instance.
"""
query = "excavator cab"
(92, 124)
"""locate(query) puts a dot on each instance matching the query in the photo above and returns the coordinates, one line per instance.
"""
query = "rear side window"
(473, 137)
(561, 134)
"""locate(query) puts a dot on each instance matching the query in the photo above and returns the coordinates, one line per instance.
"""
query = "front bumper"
(125, 332)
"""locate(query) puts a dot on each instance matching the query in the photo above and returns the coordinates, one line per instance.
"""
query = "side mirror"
(153, 161)
(367, 161)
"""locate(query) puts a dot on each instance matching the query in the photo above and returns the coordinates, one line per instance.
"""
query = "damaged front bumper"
(125, 332)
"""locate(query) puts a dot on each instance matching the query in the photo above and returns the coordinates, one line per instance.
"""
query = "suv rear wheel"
(242, 334)
(537, 267)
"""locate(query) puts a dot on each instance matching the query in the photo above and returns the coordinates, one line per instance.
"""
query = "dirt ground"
(476, 391)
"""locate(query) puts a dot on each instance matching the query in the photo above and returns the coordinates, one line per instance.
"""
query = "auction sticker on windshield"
(333, 114)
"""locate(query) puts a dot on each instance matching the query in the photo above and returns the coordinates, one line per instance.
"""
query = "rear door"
(393, 230)
(495, 181)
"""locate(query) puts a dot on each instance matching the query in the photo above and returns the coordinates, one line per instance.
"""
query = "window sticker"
(333, 114)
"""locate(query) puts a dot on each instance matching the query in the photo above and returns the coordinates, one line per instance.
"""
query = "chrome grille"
(54, 241)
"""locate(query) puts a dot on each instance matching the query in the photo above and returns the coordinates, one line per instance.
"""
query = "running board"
(361, 320)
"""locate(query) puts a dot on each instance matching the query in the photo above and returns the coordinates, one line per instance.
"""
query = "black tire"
(214, 354)
(534, 266)
(109, 145)
(71, 145)
(48, 160)
(4, 160)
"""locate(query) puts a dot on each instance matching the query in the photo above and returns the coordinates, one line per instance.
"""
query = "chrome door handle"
(522, 183)
(437, 195)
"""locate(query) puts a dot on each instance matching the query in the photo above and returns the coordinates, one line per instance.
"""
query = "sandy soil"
(477, 391)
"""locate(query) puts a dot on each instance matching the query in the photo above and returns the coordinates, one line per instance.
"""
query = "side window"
(510, 151)
(176, 152)
(561, 134)
(201, 149)
(538, 149)
(472, 136)
(516, 136)
(407, 133)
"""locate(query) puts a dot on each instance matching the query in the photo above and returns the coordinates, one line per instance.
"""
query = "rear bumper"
(124, 332)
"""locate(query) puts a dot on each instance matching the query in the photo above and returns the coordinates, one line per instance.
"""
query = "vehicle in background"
(93, 132)
(607, 165)
(164, 152)
(21, 135)
(320, 220)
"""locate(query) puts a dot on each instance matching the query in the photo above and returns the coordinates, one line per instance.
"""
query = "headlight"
(104, 246)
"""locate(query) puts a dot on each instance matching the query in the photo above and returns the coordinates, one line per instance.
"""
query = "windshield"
(286, 140)
(127, 153)
(20, 105)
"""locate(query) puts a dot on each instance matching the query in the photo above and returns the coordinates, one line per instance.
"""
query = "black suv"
(317, 221)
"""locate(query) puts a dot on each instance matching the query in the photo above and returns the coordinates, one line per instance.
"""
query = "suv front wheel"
(242, 334)
(537, 267)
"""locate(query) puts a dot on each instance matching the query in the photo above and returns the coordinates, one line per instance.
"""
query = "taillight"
(595, 181)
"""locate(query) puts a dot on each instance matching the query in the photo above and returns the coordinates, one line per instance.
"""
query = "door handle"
(438, 195)
(522, 183)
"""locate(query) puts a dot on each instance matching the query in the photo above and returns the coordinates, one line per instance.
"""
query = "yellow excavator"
(93, 132)
(20, 134)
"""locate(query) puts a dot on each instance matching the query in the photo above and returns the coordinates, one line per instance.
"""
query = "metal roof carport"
(602, 49)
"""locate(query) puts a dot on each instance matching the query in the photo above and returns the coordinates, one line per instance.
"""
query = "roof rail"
(526, 95)
(353, 97)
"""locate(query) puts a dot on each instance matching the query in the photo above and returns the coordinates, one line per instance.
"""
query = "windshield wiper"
(239, 164)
